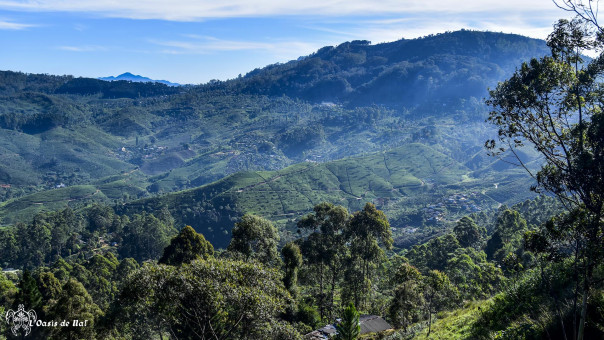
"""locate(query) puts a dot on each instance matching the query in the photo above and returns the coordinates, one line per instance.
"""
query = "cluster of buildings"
(436, 212)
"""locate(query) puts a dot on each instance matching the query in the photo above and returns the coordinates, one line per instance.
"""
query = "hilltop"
(437, 69)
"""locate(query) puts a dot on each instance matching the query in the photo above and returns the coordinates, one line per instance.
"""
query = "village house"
(369, 324)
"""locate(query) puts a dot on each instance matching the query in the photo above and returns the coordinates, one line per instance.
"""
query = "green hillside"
(402, 182)
(354, 187)
(109, 190)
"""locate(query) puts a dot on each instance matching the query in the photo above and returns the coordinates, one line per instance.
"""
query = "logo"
(21, 319)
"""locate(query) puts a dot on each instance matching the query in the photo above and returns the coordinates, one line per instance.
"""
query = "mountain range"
(399, 124)
(136, 78)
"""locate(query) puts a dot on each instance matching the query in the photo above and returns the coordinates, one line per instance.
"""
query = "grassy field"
(454, 325)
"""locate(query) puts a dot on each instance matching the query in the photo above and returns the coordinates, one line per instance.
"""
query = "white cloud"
(189, 10)
(536, 25)
(385, 33)
(13, 26)
(89, 48)
(206, 45)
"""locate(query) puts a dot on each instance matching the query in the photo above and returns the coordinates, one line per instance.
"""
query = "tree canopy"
(186, 247)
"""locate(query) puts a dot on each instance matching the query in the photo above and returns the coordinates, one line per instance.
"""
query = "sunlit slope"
(403, 182)
(106, 191)
(284, 195)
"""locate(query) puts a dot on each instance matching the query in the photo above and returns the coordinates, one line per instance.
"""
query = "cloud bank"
(13, 26)
(194, 10)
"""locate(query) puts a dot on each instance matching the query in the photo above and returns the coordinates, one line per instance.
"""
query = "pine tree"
(350, 327)
(29, 295)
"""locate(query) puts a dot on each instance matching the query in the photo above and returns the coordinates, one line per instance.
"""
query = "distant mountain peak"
(128, 74)
(137, 78)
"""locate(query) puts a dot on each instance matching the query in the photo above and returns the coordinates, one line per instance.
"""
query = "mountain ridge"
(357, 72)
(137, 78)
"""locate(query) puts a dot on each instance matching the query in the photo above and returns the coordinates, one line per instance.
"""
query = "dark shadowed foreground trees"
(292, 261)
(213, 299)
(75, 303)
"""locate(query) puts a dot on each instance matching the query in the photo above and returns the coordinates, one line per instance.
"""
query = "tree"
(212, 299)
(7, 291)
(9, 247)
(467, 232)
(555, 105)
(35, 241)
(368, 231)
(292, 261)
(438, 294)
(433, 254)
(126, 267)
(29, 294)
(350, 327)
(49, 286)
(474, 276)
(75, 303)
(255, 238)
(324, 250)
(98, 277)
(507, 238)
(145, 237)
(408, 299)
(186, 247)
(102, 218)
(63, 223)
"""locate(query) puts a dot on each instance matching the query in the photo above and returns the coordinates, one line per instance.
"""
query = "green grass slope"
(109, 190)
(414, 184)
(454, 325)
(403, 179)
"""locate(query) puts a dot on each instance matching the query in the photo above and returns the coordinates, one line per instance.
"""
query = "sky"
(194, 41)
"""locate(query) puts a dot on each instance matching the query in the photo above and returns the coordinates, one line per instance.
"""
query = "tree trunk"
(333, 292)
(583, 316)
(429, 323)
(321, 303)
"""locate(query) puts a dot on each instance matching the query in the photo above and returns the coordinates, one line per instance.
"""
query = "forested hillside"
(432, 71)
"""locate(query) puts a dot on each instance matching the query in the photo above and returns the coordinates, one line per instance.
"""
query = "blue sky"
(193, 41)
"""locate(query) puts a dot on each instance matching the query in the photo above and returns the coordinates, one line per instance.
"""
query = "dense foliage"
(194, 292)
(435, 69)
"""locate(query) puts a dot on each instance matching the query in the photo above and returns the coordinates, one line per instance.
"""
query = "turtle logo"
(21, 319)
